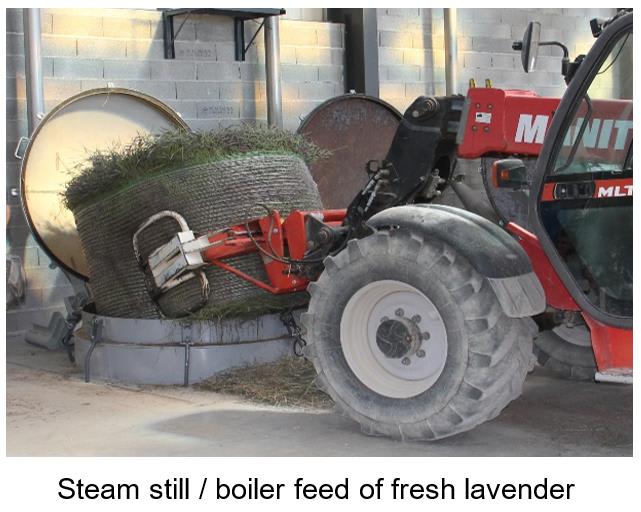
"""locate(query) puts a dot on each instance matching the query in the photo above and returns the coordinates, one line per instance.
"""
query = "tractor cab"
(581, 195)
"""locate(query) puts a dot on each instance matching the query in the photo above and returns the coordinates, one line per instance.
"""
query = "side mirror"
(509, 173)
(529, 46)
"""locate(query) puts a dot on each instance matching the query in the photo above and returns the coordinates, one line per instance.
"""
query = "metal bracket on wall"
(239, 15)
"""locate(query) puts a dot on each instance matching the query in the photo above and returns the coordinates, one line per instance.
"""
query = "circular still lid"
(356, 129)
(92, 120)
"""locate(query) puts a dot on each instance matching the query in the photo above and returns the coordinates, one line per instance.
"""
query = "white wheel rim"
(393, 376)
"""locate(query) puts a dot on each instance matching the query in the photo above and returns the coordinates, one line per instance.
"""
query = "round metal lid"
(89, 121)
(356, 128)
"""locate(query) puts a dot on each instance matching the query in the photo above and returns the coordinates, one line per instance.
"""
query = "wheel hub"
(393, 338)
(398, 337)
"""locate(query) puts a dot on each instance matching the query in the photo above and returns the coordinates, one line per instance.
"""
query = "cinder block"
(464, 44)
(60, 89)
(403, 73)
(330, 35)
(251, 71)
(472, 60)
(218, 109)
(503, 61)
(319, 56)
(432, 74)
(298, 73)
(246, 91)
(417, 57)
(193, 50)
(163, 90)
(493, 30)
(395, 39)
(14, 20)
(127, 70)
(15, 44)
(491, 45)
(218, 71)
(59, 46)
(77, 68)
(214, 28)
(253, 110)
(102, 47)
(226, 52)
(331, 74)
(129, 28)
(15, 65)
(316, 90)
(200, 90)
(71, 24)
(479, 15)
(393, 23)
(289, 91)
(404, 13)
(391, 90)
(288, 54)
(414, 90)
(185, 109)
(206, 124)
(173, 70)
(298, 110)
(425, 40)
(47, 23)
(293, 35)
(390, 56)
(547, 63)
(145, 49)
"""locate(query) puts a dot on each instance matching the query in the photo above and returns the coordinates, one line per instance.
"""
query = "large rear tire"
(386, 298)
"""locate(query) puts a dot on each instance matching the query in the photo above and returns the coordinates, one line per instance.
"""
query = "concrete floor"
(51, 411)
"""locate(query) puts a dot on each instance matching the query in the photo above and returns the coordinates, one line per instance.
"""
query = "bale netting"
(232, 188)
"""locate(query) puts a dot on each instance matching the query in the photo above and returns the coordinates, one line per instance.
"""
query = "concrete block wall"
(89, 48)
(412, 55)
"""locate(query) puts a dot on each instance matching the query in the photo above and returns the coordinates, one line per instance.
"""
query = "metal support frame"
(361, 49)
(33, 66)
(239, 16)
(451, 51)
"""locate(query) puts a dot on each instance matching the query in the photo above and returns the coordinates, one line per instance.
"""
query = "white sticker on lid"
(484, 117)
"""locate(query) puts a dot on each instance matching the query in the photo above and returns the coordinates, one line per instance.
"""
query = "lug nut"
(420, 353)
(416, 319)
(425, 336)
(384, 319)
(406, 361)
(399, 312)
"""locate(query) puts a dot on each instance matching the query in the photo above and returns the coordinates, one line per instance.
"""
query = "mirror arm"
(566, 54)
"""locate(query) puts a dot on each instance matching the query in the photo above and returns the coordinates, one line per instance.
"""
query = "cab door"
(581, 208)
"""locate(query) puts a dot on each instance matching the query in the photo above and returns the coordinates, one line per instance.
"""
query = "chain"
(295, 332)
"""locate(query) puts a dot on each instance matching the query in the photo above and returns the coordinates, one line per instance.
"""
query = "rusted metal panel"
(356, 128)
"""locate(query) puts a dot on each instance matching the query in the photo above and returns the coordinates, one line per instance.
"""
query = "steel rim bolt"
(420, 353)
(406, 361)
(399, 312)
